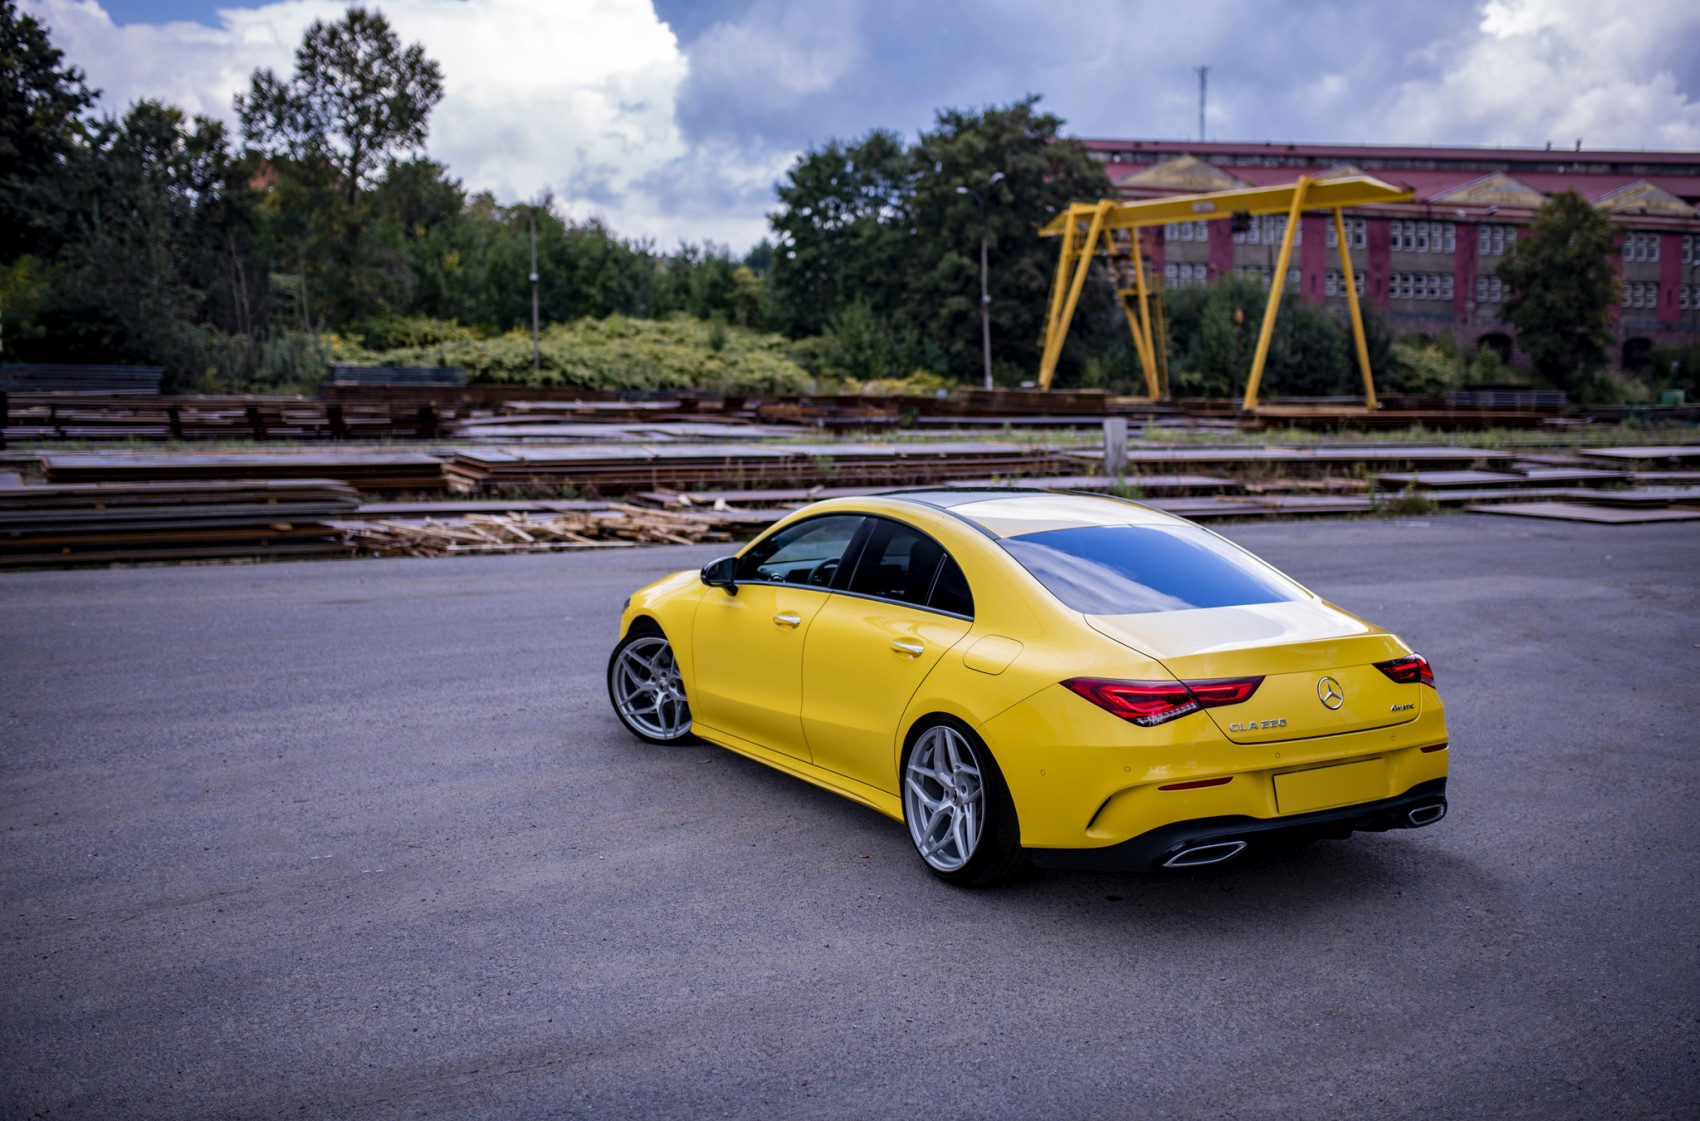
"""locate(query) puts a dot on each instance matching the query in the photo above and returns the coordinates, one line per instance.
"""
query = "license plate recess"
(1325, 787)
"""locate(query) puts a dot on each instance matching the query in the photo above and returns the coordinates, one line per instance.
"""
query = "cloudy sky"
(673, 119)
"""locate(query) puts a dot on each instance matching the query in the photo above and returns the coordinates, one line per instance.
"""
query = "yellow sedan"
(1034, 677)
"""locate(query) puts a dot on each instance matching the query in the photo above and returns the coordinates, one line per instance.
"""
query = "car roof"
(1012, 511)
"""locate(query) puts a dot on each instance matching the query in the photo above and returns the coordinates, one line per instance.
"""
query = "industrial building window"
(1449, 237)
(1334, 283)
(1641, 247)
(1642, 295)
(1492, 240)
(1357, 233)
(1689, 241)
(1688, 297)
(1489, 290)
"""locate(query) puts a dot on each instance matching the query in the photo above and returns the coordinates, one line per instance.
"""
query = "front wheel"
(646, 689)
(958, 809)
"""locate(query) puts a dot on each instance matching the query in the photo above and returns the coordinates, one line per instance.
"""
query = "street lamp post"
(985, 294)
(536, 345)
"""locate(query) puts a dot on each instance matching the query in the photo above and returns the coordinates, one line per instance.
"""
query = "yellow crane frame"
(1090, 228)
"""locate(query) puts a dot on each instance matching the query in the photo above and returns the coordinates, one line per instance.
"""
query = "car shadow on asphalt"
(1400, 874)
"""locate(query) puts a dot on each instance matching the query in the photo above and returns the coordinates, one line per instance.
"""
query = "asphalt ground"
(363, 840)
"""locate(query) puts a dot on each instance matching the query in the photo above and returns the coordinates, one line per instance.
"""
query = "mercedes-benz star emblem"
(1328, 691)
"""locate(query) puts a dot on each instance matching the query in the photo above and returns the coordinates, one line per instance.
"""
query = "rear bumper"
(1426, 801)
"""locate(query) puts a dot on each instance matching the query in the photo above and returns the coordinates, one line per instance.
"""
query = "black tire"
(645, 688)
(958, 809)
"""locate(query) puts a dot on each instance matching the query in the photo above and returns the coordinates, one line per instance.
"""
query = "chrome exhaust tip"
(1426, 815)
(1200, 855)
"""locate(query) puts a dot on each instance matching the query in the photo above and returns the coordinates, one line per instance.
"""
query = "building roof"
(1651, 189)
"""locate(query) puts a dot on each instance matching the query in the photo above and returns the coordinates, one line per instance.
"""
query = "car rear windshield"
(1134, 570)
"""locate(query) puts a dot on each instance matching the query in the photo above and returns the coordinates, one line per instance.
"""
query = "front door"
(747, 649)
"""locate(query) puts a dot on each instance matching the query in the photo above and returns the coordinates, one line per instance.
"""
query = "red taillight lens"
(1413, 669)
(1149, 703)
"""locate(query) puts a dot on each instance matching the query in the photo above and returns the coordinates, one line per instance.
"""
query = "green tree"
(1563, 290)
(145, 273)
(1016, 161)
(357, 98)
(841, 231)
(41, 106)
(897, 229)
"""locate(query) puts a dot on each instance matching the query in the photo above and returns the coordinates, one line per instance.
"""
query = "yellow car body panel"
(1080, 777)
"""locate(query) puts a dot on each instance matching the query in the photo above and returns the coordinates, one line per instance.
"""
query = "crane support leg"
(1058, 328)
(1358, 338)
(1276, 283)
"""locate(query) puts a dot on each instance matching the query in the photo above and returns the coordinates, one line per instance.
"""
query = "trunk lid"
(1317, 663)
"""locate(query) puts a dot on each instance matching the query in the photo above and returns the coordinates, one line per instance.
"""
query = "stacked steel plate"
(92, 523)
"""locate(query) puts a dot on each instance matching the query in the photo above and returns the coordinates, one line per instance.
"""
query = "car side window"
(903, 564)
(950, 590)
(806, 552)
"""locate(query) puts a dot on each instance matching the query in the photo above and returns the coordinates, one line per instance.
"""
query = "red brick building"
(1429, 264)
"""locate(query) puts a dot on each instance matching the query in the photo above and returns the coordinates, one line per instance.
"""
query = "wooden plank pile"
(98, 523)
(624, 468)
(389, 472)
(613, 526)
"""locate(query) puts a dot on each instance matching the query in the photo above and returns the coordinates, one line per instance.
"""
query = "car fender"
(670, 604)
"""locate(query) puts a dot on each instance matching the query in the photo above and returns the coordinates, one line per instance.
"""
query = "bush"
(1423, 368)
(625, 354)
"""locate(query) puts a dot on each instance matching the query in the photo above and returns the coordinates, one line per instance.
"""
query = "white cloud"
(574, 96)
(1561, 70)
(777, 52)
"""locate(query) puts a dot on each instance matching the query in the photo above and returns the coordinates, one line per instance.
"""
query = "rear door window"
(903, 564)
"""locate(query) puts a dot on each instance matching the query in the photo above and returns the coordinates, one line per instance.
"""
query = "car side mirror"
(722, 573)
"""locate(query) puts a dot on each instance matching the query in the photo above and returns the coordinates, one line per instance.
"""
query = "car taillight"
(1149, 703)
(1413, 669)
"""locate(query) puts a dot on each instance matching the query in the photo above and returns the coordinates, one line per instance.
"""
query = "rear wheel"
(646, 689)
(958, 809)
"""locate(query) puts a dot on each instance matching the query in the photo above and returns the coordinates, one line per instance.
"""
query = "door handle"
(913, 649)
(787, 619)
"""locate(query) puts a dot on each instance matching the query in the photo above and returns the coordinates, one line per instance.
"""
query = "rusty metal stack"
(98, 523)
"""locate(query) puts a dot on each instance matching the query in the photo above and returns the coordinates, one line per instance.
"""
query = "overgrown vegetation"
(616, 353)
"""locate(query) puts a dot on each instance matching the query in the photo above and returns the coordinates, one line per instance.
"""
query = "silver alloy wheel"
(647, 688)
(944, 798)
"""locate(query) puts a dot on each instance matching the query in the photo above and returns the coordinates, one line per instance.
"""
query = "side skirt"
(888, 804)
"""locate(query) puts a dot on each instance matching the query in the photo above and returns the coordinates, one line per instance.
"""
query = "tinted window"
(1132, 570)
(904, 564)
(806, 552)
(950, 590)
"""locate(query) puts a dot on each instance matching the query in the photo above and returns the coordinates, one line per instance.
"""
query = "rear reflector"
(1223, 781)
(1149, 703)
(1413, 669)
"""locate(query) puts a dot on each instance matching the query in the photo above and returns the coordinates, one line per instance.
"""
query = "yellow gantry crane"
(1112, 228)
